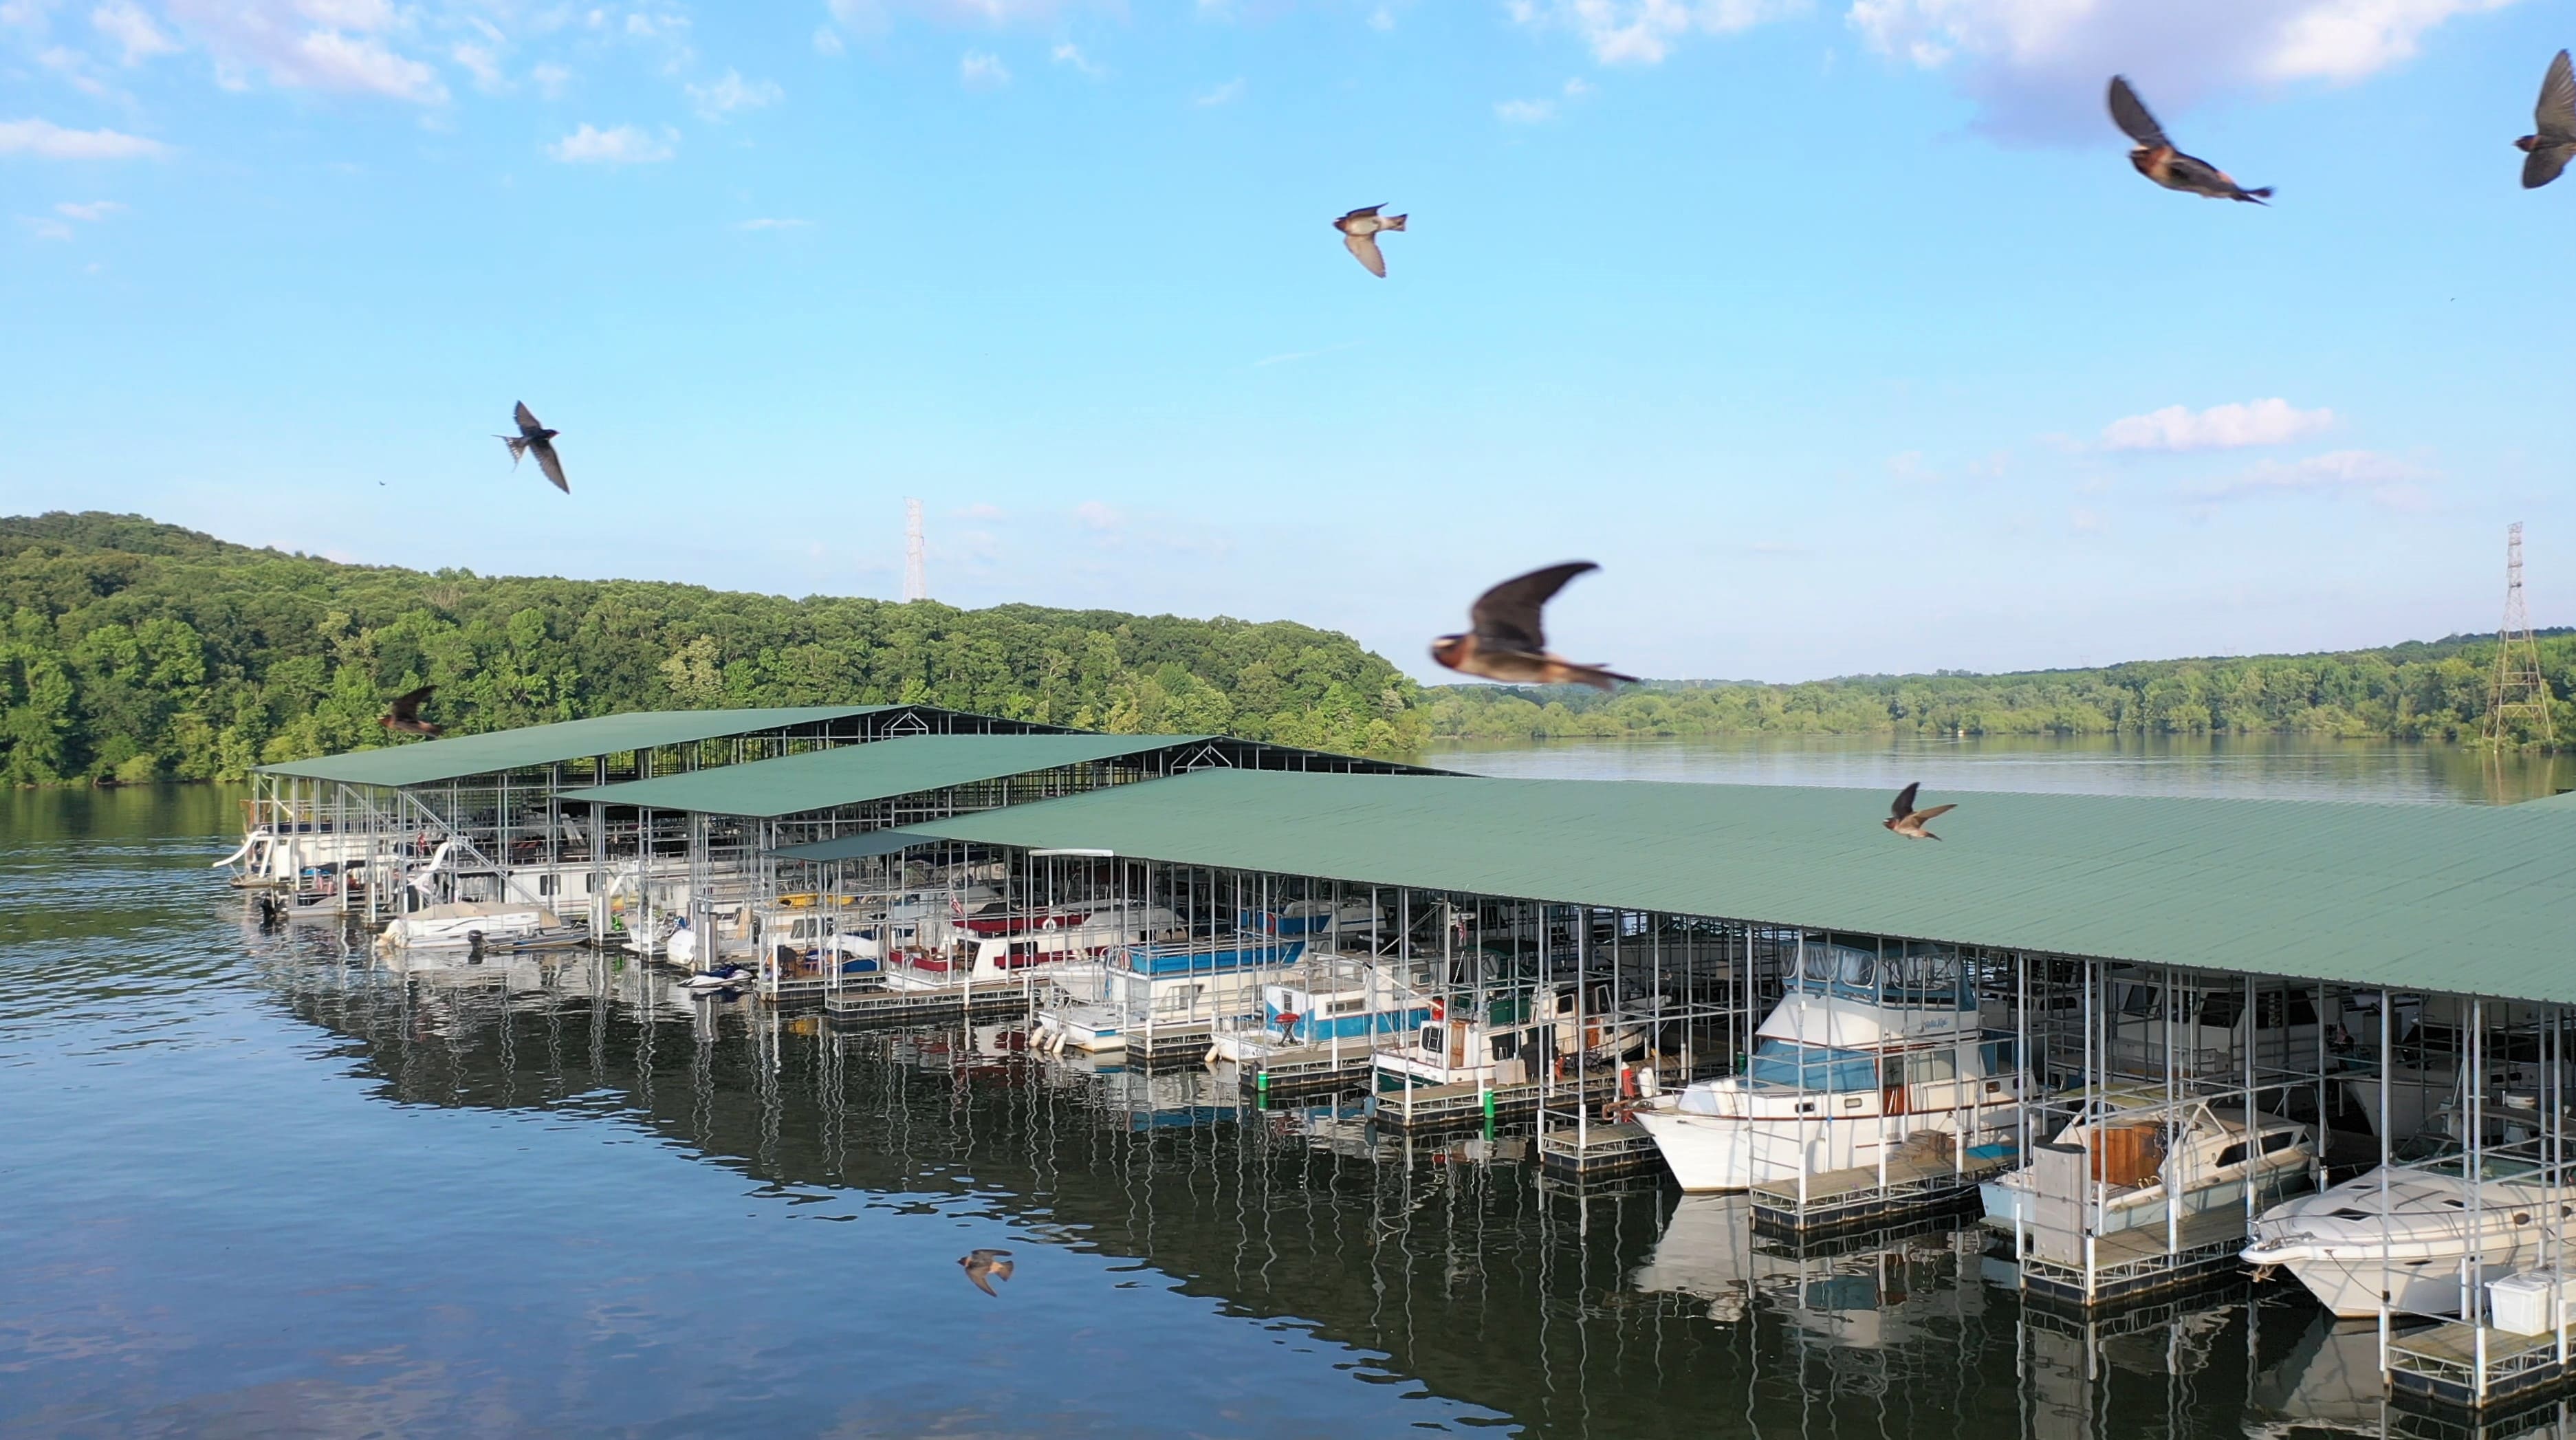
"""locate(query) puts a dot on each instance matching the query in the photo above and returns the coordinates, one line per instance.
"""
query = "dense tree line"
(131, 650)
(2435, 690)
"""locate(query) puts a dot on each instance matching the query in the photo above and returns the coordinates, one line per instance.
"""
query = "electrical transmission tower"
(2519, 688)
(916, 554)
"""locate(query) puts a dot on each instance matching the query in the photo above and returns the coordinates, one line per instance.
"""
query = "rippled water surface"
(252, 1184)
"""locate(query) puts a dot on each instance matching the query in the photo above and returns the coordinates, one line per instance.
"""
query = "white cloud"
(2384, 479)
(48, 141)
(982, 70)
(772, 223)
(1525, 112)
(132, 30)
(336, 45)
(2220, 427)
(623, 145)
(24, 14)
(1225, 94)
(479, 62)
(1642, 32)
(75, 70)
(983, 510)
(1576, 88)
(550, 79)
(731, 92)
(1071, 54)
(88, 212)
(827, 41)
(45, 228)
(1381, 18)
(1908, 466)
(1095, 515)
(2037, 67)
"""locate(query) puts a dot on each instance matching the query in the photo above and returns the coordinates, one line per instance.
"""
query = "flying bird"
(2158, 160)
(981, 1264)
(1506, 641)
(1907, 821)
(404, 714)
(1360, 231)
(2553, 120)
(537, 439)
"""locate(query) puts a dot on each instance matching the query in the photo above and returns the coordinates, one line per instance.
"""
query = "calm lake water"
(2265, 766)
(252, 1184)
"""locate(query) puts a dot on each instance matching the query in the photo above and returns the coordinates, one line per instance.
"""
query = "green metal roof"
(2460, 898)
(861, 846)
(881, 770)
(459, 756)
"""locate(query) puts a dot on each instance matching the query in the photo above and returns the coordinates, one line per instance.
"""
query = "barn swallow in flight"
(533, 437)
(1359, 231)
(1907, 821)
(982, 1263)
(1506, 641)
(404, 714)
(2158, 160)
(2546, 152)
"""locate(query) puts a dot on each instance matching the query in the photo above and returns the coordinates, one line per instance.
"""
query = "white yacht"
(1859, 1056)
(2423, 1229)
(2157, 1161)
(1515, 1040)
(479, 926)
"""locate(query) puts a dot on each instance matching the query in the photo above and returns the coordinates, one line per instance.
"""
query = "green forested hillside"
(132, 650)
(2434, 690)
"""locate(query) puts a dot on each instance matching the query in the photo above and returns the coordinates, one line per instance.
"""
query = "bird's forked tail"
(2262, 196)
(518, 446)
(1391, 222)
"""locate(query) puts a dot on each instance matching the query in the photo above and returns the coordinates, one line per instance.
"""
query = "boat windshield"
(1910, 980)
(1790, 1065)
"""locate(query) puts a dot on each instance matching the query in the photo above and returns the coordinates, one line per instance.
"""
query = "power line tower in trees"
(916, 554)
(2519, 688)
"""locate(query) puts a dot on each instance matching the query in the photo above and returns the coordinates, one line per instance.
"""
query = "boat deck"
(2442, 1363)
(2135, 1263)
(1833, 1199)
(1310, 1070)
(1465, 1106)
(853, 1006)
(1598, 1150)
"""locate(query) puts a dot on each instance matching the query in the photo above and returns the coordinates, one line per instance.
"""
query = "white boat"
(1518, 1039)
(920, 962)
(1142, 988)
(2155, 1162)
(2419, 1230)
(1314, 919)
(1329, 1001)
(1856, 1059)
(483, 926)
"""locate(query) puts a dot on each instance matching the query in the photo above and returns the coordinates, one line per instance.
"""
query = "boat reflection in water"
(1882, 1289)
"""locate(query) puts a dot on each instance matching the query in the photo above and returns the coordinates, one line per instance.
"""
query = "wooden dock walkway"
(2136, 1263)
(908, 1007)
(1597, 1151)
(1426, 1108)
(2442, 1364)
(1834, 1199)
(1310, 1070)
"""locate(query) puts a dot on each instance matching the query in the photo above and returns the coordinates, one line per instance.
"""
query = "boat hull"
(1716, 1153)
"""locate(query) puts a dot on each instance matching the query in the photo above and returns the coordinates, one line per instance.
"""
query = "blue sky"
(1841, 333)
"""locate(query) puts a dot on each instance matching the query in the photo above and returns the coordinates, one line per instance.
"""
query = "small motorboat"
(723, 977)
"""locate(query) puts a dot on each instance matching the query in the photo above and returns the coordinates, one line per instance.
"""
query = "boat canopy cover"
(2441, 898)
(862, 846)
(855, 774)
(454, 758)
